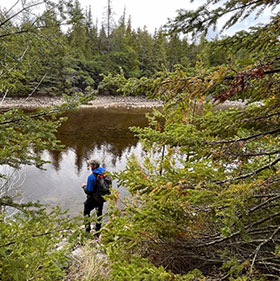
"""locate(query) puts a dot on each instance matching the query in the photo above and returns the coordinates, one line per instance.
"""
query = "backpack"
(103, 184)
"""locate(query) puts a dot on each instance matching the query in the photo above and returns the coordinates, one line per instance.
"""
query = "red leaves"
(240, 81)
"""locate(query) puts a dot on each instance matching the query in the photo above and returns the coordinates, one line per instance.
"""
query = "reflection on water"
(88, 129)
(88, 132)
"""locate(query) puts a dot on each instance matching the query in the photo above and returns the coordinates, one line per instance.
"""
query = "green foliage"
(207, 195)
(38, 58)
(30, 235)
(111, 83)
(118, 84)
(30, 244)
(140, 269)
(207, 15)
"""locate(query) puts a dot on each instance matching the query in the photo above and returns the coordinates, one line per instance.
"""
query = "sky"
(150, 13)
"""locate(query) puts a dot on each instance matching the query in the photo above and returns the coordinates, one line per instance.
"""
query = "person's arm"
(89, 187)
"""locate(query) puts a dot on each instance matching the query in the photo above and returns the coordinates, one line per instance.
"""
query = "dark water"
(99, 133)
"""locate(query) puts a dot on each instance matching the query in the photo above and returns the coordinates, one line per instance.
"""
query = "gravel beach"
(100, 101)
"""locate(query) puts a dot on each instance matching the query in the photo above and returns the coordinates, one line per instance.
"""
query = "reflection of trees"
(88, 129)
(56, 157)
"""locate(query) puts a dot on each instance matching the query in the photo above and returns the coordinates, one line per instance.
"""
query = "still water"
(88, 132)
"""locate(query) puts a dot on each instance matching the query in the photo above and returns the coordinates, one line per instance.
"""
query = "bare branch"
(264, 153)
(37, 86)
(12, 8)
(19, 12)
(6, 92)
(263, 204)
(259, 247)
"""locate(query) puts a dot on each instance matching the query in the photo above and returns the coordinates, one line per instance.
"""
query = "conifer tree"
(205, 202)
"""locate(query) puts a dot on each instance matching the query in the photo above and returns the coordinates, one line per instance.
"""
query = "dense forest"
(63, 51)
(205, 203)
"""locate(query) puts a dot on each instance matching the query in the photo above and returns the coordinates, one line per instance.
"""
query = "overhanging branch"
(268, 166)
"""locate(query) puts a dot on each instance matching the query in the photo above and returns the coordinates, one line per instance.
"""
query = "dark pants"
(89, 205)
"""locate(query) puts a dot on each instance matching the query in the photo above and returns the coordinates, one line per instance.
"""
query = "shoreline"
(98, 102)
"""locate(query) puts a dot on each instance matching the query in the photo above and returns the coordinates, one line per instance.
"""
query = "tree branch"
(268, 166)
(19, 12)
(263, 204)
(35, 236)
(259, 247)
(245, 138)
(37, 86)
(265, 153)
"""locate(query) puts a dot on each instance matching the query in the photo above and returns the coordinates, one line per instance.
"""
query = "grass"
(89, 265)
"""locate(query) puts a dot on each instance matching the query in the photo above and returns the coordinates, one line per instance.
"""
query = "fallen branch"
(259, 247)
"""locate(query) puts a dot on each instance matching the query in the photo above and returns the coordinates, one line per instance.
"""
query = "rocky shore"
(100, 101)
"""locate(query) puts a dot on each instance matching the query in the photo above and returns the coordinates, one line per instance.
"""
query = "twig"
(35, 235)
(19, 12)
(264, 153)
(23, 119)
(245, 138)
(7, 90)
(20, 59)
(264, 203)
(266, 195)
(37, 86)
(250, 174)
(162, 158)
(10, 9)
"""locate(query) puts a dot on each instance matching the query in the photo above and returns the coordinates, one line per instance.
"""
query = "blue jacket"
(91, 181)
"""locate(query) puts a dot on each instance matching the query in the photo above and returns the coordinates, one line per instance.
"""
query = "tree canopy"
(62, 50)
(205, 202)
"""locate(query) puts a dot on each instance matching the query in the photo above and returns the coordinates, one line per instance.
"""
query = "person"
(94, 199)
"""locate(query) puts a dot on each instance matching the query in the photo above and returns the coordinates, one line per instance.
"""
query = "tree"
(29, 233)
(205, 203)
(206, 17)
(77, 33)
(159, 50)
(144, 48)
(35, 50)
(122, 54)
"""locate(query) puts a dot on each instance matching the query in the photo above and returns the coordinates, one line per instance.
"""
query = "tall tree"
(205, 202)
(77, 33)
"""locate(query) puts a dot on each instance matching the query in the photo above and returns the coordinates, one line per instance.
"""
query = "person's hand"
(83, 185)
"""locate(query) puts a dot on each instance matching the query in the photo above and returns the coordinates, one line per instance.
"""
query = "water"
(88, 133)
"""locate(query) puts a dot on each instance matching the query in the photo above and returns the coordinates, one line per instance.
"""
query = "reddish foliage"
(240, 81)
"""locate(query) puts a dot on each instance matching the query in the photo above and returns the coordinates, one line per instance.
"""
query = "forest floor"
(100, 101)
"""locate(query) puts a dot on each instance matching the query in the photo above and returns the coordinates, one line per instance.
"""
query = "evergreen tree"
(77, 34)
(144, 50)
(205, 203)
(30, 234)
(122, 55)
(159, 56)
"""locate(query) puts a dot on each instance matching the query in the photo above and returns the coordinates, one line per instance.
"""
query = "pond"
(88, 132)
